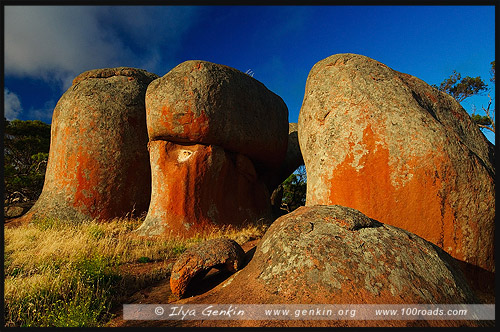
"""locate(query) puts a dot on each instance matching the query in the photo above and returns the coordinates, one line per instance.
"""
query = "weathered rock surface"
(195, 187)
(293, 158)
(203, 102)
(292, 161)
(400, 151)
(215, 135)
(14, 211)
(98, 162)
(337, 255)
(222, 254)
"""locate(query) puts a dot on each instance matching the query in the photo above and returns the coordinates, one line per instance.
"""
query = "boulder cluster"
(203, 145)
(400, 180)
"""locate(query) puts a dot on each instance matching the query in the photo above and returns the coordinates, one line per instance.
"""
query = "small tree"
(485, 121)
(462, 88)
(26, 147)
(294, 190)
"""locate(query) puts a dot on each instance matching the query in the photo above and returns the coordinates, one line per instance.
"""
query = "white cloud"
(56, 43)
(52, 42)
(12, 105)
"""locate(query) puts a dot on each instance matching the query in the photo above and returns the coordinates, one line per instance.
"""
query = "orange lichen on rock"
(187, 127)
(212, 104)
(196, 186)
(309, 256)
(419, 199)
(98, 163)
(216, 135)
(401, 152)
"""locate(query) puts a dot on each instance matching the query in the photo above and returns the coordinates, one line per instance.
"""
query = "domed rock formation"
(215, 134)
(98, 161)
(206, 103)
(400, 151)
(337, 255)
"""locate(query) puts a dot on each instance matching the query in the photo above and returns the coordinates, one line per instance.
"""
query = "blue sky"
(47, 46)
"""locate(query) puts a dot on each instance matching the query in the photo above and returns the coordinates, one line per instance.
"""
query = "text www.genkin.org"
(306, 312)
(234, 312)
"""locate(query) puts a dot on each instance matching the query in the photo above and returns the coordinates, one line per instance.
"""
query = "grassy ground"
(61, 274)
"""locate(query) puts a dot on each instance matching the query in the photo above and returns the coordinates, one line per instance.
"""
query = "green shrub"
(144, 259)
(179, 249)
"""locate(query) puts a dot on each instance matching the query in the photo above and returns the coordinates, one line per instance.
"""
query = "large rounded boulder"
(400, 151)
(212, 104)
(216, 137)
(98, 166)
(337, 255)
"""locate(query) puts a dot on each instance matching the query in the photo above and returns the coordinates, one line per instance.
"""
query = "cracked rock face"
(337, 255)
(400, 151)
(98, 161)
(215, 136)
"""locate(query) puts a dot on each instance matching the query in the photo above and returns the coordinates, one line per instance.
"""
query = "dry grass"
(61, 274)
